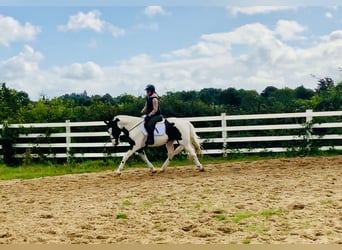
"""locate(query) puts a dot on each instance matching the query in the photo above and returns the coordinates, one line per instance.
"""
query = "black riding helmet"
(151, 88)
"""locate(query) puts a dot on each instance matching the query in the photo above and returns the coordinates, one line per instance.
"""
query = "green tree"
(328, 97)
(55, 110)
(10, 103)
(269, 91)
(209, 96)
(303, 93)
(230, 97)
(250, 101)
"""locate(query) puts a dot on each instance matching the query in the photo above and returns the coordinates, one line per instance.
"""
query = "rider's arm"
(155, 107)
(143, 111)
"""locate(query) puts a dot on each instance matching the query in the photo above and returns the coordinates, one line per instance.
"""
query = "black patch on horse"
(116, 131)
(125, 138)
(172, 132)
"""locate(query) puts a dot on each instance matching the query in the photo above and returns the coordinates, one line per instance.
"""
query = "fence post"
(308, 122)
(309, 115)
(224, 133)
(67, 137)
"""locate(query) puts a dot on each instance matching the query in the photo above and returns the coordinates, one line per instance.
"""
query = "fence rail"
(221, 134)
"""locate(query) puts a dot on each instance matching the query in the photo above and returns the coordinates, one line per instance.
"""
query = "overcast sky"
(102, 48)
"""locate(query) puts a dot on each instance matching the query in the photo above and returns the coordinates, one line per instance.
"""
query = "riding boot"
(150, 139)
(150, 135)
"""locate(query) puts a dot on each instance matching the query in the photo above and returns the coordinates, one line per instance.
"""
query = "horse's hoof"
(153, 171)
(118, 173)
(200, 169)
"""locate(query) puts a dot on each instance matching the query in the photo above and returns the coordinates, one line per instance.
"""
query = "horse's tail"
(195, 140)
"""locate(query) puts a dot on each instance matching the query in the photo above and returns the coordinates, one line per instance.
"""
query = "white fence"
(219, 135)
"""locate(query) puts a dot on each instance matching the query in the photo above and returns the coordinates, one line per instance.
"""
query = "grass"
(127, 203)
(246, 241)
(242, 216)
(270, 212)
(37, 170)
(42, 169)
(265, 213)
(121, 216)
(221, 217)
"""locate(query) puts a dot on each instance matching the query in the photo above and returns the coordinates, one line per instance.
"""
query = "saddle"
(159, 128)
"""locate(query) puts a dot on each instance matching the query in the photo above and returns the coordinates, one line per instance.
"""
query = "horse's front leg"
(145, 159)
(124, 159)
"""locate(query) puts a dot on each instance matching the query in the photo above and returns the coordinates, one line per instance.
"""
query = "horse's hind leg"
(171, 152)
(193, 155)
(145, 159)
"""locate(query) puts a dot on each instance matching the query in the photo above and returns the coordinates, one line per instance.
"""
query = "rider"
(152, 111)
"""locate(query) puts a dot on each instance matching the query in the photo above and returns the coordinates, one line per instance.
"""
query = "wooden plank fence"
(220, 135)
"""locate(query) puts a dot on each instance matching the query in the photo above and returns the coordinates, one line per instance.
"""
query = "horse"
(131, 129)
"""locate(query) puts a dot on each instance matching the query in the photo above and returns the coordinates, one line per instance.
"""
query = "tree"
(268, 92)
(328, 97)
(230, 97)
(325, 84)
(303, 93)
(250, 101)
(209, 96)
(55, 110)
(10, 102)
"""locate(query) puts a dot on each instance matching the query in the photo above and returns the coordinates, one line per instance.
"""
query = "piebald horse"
(130, 129)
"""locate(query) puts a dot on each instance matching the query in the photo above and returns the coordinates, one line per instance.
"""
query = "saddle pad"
(159, 130)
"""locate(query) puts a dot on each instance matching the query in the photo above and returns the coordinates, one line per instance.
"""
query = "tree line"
(17, 107)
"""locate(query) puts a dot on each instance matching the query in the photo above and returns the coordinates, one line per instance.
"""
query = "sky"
(118, 47)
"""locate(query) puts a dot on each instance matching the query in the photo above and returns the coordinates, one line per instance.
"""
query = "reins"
(136, 125)
(126, 133)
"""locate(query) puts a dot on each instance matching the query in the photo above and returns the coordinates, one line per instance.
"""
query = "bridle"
(125, 131)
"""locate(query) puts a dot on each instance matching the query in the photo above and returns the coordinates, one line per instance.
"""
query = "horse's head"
(118, 129)
(114, 130)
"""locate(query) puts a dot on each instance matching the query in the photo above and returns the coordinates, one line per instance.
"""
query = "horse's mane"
(127, 117)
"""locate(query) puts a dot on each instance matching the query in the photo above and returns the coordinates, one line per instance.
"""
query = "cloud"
(78, 71)
(12, 31)
(288, 30)
(154, 10)
(21, 65)
(264, 60)
(23, 72)
(115, 31)
(199, 49)
(333, 36)
(215, 60)
(252, 10)
(328, 15)
(147, 26)
(92, 21)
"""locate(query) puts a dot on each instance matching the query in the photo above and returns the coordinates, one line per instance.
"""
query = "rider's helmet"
(151, 88)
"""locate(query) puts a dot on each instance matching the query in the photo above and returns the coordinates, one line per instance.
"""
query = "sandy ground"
(295, 200)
